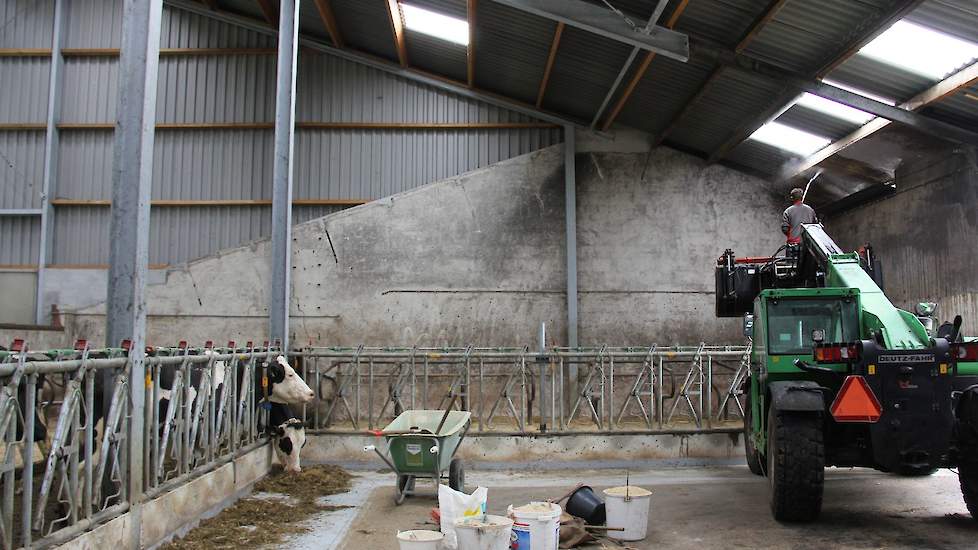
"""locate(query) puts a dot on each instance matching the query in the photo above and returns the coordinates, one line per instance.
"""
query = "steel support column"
(51, 147)
(132, 176)
(570, 224)
(281, 258)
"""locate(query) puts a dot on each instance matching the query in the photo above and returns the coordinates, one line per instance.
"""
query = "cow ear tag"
(264, 381)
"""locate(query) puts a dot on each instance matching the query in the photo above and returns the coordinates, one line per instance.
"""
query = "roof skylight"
(833, 109)
(790, 139)
(436, 24)
(921, 50)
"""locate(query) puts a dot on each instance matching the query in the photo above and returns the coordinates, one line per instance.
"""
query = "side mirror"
(818, 336)
(749, 325)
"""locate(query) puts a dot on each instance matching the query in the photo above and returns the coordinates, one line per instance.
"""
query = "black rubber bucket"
(583, 503)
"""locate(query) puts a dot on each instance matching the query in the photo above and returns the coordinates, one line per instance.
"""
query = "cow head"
(290, 438)
(286, 385)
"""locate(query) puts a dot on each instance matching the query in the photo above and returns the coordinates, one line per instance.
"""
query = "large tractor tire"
(795, 464)
(968, 449)
(915, 471)
(755, 461)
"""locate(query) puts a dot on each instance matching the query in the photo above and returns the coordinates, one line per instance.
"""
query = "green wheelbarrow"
(422, 444)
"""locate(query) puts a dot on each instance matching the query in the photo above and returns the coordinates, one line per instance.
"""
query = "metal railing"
(81, 398)
(514, 390)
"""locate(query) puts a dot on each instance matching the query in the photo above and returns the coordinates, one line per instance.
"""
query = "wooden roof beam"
(550, 63)
(397, 29)
(269, 9)
(471, 7)
(325, 9)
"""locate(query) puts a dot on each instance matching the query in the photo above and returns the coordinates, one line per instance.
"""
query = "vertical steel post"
(132, 176)
(281, 258)
(570, 226)
(51, 147)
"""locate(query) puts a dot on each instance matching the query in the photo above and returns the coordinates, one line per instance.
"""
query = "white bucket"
(536, 526)
(489, 533)
(419, 539)
(628, 507)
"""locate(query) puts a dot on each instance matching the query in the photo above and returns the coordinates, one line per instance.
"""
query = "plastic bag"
(455, 505)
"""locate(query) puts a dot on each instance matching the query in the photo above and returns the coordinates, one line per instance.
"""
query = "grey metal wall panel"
(212, 164)
(81, 235)
(20, 239)
(305, 213)
(223, 164)
(24, 89)
(21, 169)
(180, 29)
(90, 92)
(94, 24)
(85, 165)
(180, 234)
(236, 88)
(26, 23)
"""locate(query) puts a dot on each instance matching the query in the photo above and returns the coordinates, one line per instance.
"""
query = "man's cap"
(796, 194)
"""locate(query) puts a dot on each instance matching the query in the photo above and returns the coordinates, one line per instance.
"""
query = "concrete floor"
(694, 508)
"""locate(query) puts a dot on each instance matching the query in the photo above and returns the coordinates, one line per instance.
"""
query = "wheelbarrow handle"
(374, 448)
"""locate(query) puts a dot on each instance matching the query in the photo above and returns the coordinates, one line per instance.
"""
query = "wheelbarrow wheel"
(456, 475)
(405, 483)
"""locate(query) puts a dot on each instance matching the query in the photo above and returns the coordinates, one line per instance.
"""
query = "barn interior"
(509, 211)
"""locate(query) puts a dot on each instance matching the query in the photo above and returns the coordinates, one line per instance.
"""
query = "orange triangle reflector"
(856, 402)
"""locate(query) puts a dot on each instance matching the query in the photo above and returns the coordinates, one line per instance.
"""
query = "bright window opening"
(436, 24)
(790, 139)
(921, 50)
(833, 109)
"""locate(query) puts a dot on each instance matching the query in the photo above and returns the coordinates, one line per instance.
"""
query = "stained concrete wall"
(479, 258)
(925, 234)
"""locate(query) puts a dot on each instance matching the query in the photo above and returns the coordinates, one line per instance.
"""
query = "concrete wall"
(18, 289)
(925, 234)
(479, 258)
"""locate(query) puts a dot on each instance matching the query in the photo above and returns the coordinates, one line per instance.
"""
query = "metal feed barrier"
(81, 477)
(595, 389)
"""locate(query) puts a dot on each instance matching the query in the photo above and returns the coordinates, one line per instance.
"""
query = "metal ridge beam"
(457, 88)
(606, 23)
(640, 71)
(656, 13)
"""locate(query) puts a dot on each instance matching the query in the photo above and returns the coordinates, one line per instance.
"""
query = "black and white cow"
(285, 387)
(288, 436)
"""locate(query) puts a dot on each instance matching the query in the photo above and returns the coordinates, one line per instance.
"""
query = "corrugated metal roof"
(805, 35)
(579, 83)
(955, 17)
(435, 55)
(725, 21)
(880, 79)
(511, 50)
(663, 92)
(365, 26)
(816, 122)
(734, 96)
(762, 157)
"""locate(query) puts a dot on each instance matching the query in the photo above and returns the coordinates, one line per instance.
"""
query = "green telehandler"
(839, 376)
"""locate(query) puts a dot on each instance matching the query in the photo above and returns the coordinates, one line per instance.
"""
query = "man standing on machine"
(795, 215)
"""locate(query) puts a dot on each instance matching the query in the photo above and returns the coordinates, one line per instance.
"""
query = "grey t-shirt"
(793, 217)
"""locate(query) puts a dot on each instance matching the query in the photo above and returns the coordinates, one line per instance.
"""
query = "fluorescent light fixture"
(790, 139)
(436, 24)
(833, 109)
(921, 50)
(857, 91)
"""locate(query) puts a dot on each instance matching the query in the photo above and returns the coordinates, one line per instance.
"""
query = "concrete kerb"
(180, 510)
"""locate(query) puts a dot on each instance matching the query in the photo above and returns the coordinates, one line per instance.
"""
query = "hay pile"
(255, 522)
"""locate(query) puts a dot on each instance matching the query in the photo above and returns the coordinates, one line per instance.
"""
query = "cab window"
(791, 322)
